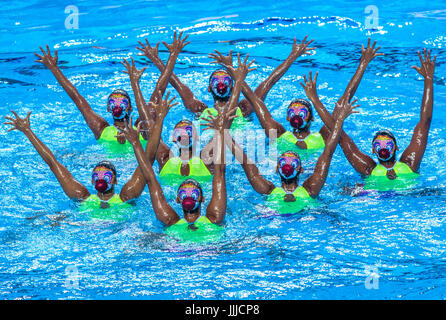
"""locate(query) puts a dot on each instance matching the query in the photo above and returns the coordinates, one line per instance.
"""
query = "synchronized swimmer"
(188, 171)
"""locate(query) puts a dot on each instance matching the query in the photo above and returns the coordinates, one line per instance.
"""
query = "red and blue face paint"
(190, 197)
(384, 147)
(102, 178)
(221, 84)
(299, 115)
(119, 106)
(183, 134)
(289, 165)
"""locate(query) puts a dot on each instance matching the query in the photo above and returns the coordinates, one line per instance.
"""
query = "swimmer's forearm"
(72, 188)
(257, 181)
(427, 102)
(323, 112)
(262, 90)
(154, 140)
(266, 120)
(314, 184)
(353, 84)
(163, 80)
(189, 100)
(216, 209)
(163, 211)
(143, 111)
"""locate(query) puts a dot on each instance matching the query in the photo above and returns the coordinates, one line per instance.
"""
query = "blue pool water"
(322, 253)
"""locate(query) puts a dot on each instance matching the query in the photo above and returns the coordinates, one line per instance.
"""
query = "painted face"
(384, 147)
(183, 134)
(221, 84)
(119, 106)
(102, 178)
(288, 165)
(298, 115)
(190, 197)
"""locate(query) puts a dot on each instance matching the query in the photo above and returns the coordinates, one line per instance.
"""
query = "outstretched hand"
(162, 107)
(47, 59)
(131, 135)
(310, 86)
(132, 71)
(369, 53)
(302, 48)
(427, 67)
(347, 108)
(149, 51)
(18, 123)
(220, 122)
(177, 44)
(225, 61)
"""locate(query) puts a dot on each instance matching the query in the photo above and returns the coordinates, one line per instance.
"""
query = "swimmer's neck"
(119, 124)
(187, 154)
(191, 217)
(220, 104)
(302, 134)
(388, 164)
(290, 185)
(106, 195)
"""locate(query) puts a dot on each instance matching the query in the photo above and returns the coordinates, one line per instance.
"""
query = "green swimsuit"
(171, 172)
(113, 210)
(111, 144)
(206, 231)
(276, 200)
(287, 142)
(379, 181)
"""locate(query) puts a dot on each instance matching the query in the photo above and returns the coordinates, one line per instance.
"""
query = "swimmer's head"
(300, 114)
(289, 165)
(104, 176)
(384, 145)
(119, 105)
(184, 134)
(190, 195)
(220, 84)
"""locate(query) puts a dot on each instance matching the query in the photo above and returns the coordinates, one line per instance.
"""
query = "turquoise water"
(320, 253)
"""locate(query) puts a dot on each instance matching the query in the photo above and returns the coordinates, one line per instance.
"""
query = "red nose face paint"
(188, 204)
(296, 122)
(287, 170)
(117, 112)
(384, 154)
(221, 88)
(101, 185)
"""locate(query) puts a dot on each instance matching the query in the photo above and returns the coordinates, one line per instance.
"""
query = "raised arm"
(94, 121)
(163, 211)
(189, 100)
(262, 90)
(316, 181)
(266, 120)
(146, 118)
(413, 154)
(133, 188)
(361, 162)
(72, 188)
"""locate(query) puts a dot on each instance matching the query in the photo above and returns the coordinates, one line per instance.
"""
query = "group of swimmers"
(189, 171)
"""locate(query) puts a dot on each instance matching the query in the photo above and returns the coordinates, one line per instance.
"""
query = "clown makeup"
(288, 165)
(298, 115)
(221, 84)
(119, 106)
(182, 134)
(102, 178)
(189, 196)
(384, 147)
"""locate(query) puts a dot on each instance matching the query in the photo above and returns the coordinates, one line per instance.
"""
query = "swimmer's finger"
(10, 123)
(305, 38)
(246, 58)
(305, 78)
(302, 84)
(251, 62)
(374, 44)
(56, 55)
(416, 68)
(252, 69)
(9, 118)
(13, 128)
(38, 55)
(16, 115)
(28, 115)
(315, 77)
(43, 51)
(48, 48)
(368, 43)
(419, 56)
(435, 58)
(309, 42)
